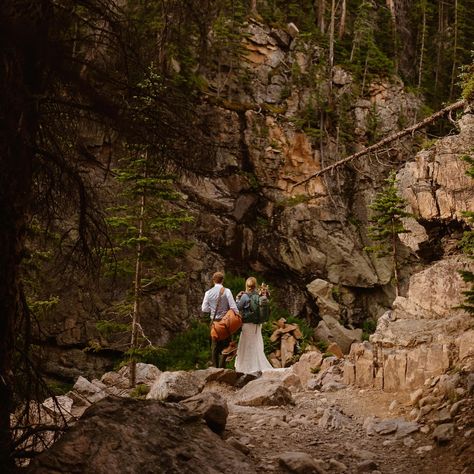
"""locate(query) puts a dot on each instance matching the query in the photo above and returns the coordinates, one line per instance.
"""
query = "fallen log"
(407, 131)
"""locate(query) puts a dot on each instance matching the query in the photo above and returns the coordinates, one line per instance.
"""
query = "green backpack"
(258, 311)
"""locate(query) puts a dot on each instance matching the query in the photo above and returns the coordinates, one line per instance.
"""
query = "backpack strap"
(221, 292)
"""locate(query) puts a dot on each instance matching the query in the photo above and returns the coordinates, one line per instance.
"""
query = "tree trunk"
(20, 83)
(440, 45)
(12, 243)
(331, 37)
(15, 187)
(137, 287)
(342, 22)
(253, 7)
(422, 47)
(320, 7)
(394, 261)
(455, 47)
(393, 15)
(391, 7)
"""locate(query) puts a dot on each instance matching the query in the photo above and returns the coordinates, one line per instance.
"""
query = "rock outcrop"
(425, 335)
(122, 435)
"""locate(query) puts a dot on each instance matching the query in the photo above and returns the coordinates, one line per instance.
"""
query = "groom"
(217, 301)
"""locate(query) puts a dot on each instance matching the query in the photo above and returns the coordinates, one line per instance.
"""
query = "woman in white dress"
(250, 355)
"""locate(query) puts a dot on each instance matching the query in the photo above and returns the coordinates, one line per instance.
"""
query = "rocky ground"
(291, 420)
(333, 429)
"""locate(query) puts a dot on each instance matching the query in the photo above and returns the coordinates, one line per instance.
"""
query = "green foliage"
(388, 211)
(368, 60)
(267, 330)
(468, 304)
(368, 327)
(467, 245)
(235, 283)
(140, 391)
(36, 269)
(467, 81)
(279, 12)
(41, 308)
(308, 118)
(145, 217)
(322, 345)
(252, 180)
(373, 133)
(108, 328)
(58, 388)
(186, 351)
(448, 44)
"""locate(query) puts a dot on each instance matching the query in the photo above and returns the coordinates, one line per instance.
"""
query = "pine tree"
(142, 228)
(389, 210)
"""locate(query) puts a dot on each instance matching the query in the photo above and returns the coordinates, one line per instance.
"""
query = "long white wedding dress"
(250, 356)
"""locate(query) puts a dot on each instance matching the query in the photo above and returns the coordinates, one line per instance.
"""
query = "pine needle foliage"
(387, 222)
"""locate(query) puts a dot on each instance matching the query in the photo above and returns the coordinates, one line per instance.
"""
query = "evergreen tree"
(388, 211)
(143, 228)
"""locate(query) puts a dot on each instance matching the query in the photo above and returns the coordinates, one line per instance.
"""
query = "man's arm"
(206, 307)
(231, 301)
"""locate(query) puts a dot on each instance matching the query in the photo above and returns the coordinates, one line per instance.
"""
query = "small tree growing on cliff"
(388, 211)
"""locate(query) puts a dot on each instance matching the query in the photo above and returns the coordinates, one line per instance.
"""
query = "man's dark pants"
(218, 360)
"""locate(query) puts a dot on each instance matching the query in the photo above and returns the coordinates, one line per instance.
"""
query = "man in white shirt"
(216, 303)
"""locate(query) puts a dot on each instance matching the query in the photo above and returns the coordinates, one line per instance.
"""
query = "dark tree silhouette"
(67, 66)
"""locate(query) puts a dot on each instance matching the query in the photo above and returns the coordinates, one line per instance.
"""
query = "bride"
(250, 355)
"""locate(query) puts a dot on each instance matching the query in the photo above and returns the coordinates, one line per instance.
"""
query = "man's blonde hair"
(218, 277)
(251, 283)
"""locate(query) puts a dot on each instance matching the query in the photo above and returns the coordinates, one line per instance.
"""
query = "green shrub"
(58, 388)
(322, 345)
(186, 351)
(368, 327)
(140, 391)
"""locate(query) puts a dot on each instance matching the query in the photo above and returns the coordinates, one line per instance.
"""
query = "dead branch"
(407, 131)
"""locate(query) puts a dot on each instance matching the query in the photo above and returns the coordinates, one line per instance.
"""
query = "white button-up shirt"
(226, 302)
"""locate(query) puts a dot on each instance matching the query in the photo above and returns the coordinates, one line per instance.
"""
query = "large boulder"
(323, 293)
(212, 407)
(308, 364)
(176, 386)
(263, 392)
(125, 435)
(330, 330)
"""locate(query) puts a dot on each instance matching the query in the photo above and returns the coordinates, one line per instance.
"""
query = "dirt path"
(343, 444)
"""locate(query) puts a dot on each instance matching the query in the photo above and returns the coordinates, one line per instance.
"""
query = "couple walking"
(217, 301)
